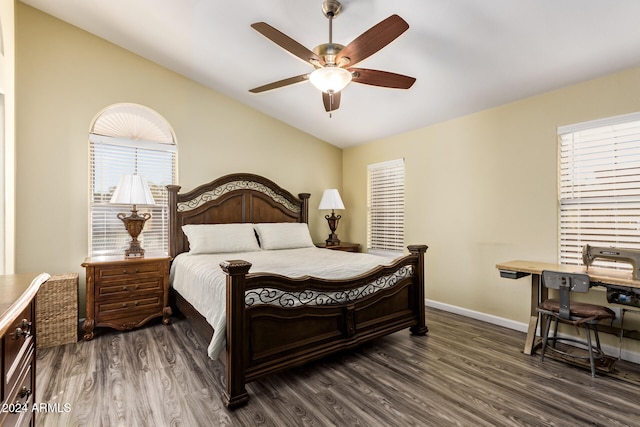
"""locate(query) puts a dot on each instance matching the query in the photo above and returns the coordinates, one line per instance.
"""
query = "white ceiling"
(467, 55)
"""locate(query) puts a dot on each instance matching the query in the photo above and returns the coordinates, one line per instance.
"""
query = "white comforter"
(200, 280)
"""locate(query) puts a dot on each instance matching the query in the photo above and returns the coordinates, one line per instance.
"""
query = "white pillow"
(220, 238)
(284, 235)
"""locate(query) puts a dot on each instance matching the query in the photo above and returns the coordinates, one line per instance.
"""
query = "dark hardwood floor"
(463, 373)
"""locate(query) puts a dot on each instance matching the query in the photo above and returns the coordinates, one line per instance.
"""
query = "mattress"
(201, 281)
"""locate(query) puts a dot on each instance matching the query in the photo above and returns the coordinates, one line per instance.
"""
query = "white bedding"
(200, 280)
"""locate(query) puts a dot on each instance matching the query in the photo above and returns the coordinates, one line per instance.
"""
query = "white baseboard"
(628, 355)
(494, 320)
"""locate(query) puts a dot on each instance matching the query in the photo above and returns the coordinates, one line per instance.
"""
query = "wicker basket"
(57, 311)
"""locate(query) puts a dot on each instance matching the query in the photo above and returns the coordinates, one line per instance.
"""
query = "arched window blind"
(127, 139)
(385, 207)
(599, 186)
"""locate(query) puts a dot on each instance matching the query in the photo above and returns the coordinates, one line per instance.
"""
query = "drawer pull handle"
(136, 303)
(137, 287)
(23, 331)
(124, 305)
(25, 392)
(25, 324)
(20, 333)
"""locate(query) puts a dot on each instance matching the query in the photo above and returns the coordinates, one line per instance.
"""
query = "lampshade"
(132, 190)
(330, 79)
(331, 200)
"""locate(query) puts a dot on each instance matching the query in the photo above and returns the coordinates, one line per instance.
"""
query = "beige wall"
(66, 76)
(481, 189)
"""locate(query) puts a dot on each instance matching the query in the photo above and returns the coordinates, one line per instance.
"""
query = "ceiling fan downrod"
(331, 9)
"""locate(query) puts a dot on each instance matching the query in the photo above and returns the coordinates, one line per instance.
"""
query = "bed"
(272, 321)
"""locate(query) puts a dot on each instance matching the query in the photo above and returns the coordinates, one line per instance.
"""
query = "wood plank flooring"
(463, 373)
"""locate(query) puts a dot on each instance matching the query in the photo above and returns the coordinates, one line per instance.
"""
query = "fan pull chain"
(330, 101)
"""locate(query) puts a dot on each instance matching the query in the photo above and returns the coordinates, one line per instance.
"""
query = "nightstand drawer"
(128, 289)
(114, 310)
(134, 271)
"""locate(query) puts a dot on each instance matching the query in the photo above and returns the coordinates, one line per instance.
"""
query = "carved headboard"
(235, 198)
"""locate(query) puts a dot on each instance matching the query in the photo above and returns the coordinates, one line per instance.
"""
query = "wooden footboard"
(265, 338)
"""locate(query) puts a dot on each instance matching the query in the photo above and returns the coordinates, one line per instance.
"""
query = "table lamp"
(133, 190)
(331, 200)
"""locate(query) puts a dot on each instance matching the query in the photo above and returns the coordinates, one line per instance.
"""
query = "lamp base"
(333, 225)
(134, 224)
(134, 250)
(333, 240)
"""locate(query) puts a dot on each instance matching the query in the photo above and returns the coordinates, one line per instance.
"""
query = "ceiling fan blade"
(381, 78)
(331, 101)
(280, 83)
(374, 39)
(286, 42)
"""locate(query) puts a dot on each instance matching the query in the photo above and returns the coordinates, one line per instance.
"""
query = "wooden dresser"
(17, 327)
(126, 293)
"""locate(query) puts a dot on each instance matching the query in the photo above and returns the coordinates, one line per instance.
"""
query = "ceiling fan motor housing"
(328, 52)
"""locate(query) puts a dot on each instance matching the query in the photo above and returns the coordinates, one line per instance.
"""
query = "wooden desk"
(598, 277)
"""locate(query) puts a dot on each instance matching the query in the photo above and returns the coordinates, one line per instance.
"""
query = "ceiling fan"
(334, 62)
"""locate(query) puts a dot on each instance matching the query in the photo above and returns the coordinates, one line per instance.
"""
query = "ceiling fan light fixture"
(330, 79)
(334, 62)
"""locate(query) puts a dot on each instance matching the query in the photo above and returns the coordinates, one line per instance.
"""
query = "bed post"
(235, 394)
(421, 327)
(173, 205)
(304, 216)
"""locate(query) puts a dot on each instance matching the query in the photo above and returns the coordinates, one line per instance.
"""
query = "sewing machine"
(616, 294)
(632, 256)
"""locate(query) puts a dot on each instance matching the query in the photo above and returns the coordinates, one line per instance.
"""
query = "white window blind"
(385, 207)
(109, 159)
(599, 187)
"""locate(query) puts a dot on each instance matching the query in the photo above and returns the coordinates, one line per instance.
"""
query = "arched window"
(129, 139)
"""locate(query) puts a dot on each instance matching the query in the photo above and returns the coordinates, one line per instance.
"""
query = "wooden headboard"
(234, 198)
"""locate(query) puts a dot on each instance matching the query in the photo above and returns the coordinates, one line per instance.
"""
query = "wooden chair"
(579, 314)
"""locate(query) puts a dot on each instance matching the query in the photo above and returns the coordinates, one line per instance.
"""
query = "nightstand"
(343, 246)
(126, 293)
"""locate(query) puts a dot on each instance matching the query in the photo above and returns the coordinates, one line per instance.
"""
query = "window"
(127, 139)
(385, 207)
(599, 186)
